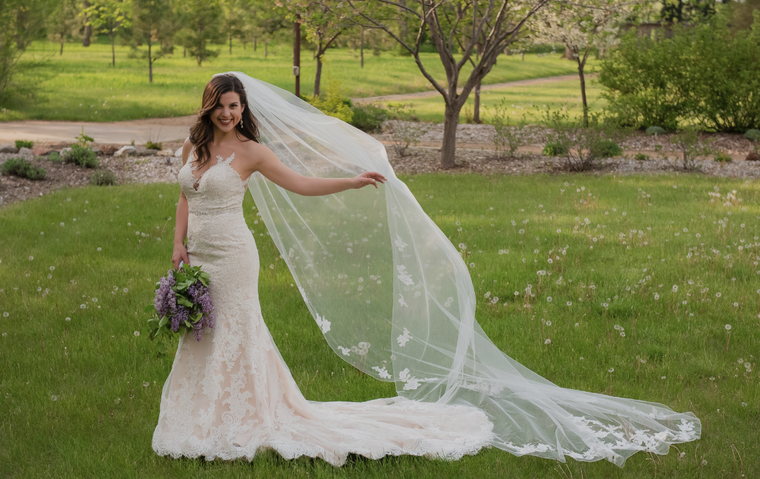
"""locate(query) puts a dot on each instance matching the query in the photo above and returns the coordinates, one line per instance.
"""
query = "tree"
(20, 22)
(150, 25)
(687, 10)
(581, 28)
(498, 22)
(62, 20)
(87, 26)
(202, 19)
(109, 16)
(324, 23)
(234, 19)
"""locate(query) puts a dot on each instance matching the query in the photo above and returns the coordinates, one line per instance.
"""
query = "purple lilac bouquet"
(182, 303)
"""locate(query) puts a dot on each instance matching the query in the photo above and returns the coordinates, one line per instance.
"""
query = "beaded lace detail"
(231, 394)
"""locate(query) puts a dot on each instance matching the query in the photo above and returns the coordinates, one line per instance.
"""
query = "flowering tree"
(108, 16)
(580, 28)
(457, 28)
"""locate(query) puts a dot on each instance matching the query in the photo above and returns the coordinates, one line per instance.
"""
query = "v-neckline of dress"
(219, 159)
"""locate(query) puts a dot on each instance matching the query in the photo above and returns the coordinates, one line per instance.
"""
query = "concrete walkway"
(175, 129)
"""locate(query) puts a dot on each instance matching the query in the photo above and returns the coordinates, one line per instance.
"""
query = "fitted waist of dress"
(222, 210)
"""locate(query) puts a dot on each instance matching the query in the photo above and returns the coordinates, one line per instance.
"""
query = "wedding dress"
(392, 297)
(231, 394)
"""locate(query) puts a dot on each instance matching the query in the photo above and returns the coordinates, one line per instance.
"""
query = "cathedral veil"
(393, 298)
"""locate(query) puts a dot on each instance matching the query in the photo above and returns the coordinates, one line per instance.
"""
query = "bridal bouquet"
(182, 303)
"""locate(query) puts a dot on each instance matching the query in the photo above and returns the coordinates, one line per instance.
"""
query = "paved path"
(174, 129)
(495, 86)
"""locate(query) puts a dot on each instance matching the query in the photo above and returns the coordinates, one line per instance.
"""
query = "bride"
(387, 289)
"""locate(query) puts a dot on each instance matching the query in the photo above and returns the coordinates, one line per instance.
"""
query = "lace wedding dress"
(231, 394)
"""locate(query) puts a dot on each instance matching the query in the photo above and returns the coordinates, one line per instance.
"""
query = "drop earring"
(241, 123)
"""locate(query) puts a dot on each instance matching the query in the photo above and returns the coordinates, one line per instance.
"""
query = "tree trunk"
(255, 43)
(581, 64)
(402, 22)
(266, 48)
(112, 36)
(62, 38)
(318, 77)
(184, 52)
(230, 44)
(568, 55)
(87, 28)
(150, 62)
(448, 148)
(361, 54)
(476, 109)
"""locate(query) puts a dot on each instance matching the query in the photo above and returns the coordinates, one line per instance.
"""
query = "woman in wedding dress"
(231, 394)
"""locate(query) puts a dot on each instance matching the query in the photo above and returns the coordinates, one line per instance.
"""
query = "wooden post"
(297, 55)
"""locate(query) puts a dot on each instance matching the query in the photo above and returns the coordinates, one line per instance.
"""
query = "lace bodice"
(218, 189)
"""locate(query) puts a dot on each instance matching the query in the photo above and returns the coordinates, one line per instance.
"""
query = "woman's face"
(228, 112)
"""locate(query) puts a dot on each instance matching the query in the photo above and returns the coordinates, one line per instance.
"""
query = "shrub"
(723, 158)
(641, 157)
(153, 146)
(55, 157)
(102, 178)
(369, 117)
(604, 148)
(331, 103)
(23, 169)
(405, 129)
(704, 74)
(24, 144)
(655, 130)
(752, 135)
(555, 149)
(82, 156)
(507, 138)
(687, 142)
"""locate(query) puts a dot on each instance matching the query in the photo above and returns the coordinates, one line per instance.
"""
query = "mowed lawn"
(654, 257)
(522, 104)
(80, 85)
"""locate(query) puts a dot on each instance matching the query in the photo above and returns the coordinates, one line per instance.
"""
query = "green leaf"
(184, 302)
(163, 322)
(150, 308)
(196, 317)
(188, 325)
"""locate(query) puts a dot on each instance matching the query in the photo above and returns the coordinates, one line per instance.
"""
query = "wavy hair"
(202, 132)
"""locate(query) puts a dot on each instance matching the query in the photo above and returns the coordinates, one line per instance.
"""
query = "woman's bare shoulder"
(256, 152)
(186, 147)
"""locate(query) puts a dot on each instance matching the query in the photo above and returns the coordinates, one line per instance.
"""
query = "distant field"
(523, 103)
(81, 85)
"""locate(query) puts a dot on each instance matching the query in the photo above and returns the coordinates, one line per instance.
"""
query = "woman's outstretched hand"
(368, 178)
(179, 254)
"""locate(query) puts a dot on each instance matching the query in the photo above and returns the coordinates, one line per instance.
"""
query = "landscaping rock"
(96, 150)
(126, 151)
(168, 153)
(8, 149)
(108, 149)
(25, 151)
(65, 150)
(753, 156)
(42, 150)
(142, 151)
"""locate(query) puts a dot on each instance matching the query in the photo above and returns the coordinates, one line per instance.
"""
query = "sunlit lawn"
(81, 84)
(79, 392)
(523, 104)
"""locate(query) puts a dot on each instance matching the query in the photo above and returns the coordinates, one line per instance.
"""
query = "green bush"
(24, 144)
(23, 169)
(655, 130)
(331, 103)
(102, 178)
(153, 146)
(641, 157)
(723, 158)
(752, 135)
(705, 74)
(554, 149)
(604, 148)
(55, 157)
(82, 156)
(368, 118)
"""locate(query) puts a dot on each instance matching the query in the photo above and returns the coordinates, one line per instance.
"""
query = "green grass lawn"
(523, 104)
(79, 392)
(81, 85)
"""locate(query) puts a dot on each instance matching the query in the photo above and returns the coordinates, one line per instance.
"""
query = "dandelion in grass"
(6, 314)
(68, 319)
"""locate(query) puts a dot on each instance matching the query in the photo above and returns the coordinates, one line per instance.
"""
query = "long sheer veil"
(393, 298)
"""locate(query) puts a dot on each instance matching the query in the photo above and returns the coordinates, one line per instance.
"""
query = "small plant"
(330, 102)
(655, 130)
(641, 157)
(102, 178)
(369, 117)
(82, 156)
(153, 146)
(723, 158)
(507, 139)
(605, 148)
(405, 132)
(555, 149)
(28, 144)
(84, 140)
(687, 142)
(751, 135)
(55, 157)
(23, 169)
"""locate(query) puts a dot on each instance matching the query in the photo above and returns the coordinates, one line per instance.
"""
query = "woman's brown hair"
(202, 133)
